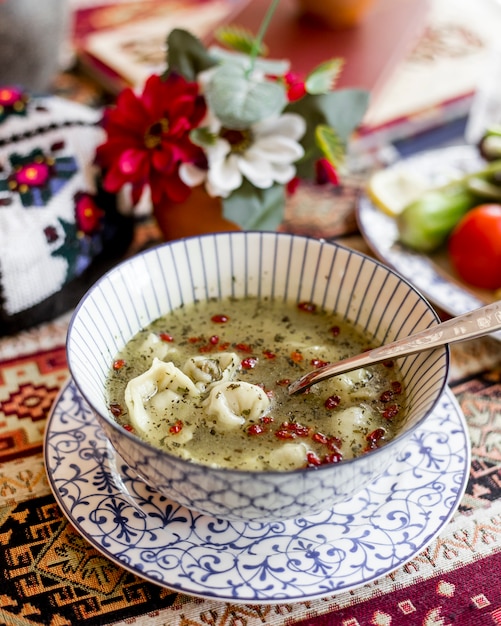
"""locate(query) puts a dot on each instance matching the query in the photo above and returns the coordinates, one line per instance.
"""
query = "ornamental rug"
(52, 576)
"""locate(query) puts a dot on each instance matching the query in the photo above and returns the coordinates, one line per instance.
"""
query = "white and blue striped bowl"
(281, 266)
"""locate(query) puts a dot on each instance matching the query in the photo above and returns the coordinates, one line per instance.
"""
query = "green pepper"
(425, 224)
(490, 144)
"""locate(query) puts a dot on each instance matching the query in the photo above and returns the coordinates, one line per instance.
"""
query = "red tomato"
(475, 247)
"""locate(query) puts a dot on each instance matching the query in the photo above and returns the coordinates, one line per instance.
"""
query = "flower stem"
(256, 46)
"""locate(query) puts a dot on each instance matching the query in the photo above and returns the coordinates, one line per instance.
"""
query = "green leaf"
(324, 77)
(255, 209)
(330, 144)
(240, 101)
(186, 55)
(202, 136)
(240, 39)
(342, 110)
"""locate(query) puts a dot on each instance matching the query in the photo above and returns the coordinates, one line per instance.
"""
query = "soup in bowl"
(185, 352)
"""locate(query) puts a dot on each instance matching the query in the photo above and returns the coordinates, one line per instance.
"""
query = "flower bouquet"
(226, 119)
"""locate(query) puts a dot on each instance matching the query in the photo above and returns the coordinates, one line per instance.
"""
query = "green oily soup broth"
(208, 382)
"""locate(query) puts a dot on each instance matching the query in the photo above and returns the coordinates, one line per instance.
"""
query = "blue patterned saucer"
(369, 536)
(429, 274)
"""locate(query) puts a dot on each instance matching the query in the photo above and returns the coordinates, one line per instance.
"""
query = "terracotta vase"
(337, 13)
(198, 215)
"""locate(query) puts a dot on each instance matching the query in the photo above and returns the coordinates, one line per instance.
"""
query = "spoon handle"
(470, 325)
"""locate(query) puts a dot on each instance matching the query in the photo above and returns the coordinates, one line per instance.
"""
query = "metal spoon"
(482, 321)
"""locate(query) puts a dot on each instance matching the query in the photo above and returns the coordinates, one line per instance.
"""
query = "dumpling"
(159, 397)
(289, 456)
(205, 370)
(350, 385)
(232, 403)
(352, 423)
(154, 346)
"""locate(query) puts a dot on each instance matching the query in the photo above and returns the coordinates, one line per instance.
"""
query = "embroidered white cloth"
(54, 219)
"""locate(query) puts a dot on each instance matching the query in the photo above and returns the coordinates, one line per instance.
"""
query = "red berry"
(266, 419)
(386, 396)
(313, 460)
(255, 429)
(390, 411)
(249, 363)
(320, 438)
(283, 433)
(334, 443)
(116, 409)
(332, 402)
(316, 363)
(243, 347)
(269, 355)
(166, 337)
(374, 437)
(176, 428)
(396, 386)
(333, 457)
(220, 319)
(307, 307)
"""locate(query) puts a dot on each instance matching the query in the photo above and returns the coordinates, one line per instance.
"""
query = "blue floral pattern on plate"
(380, 231)
(369, 536)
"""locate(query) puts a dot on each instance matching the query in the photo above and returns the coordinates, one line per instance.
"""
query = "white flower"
(264, 154)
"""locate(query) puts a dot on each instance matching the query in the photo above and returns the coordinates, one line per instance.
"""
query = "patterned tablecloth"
(51, 575)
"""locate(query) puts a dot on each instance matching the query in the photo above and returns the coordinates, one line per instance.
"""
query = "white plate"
(380, 529)
(429, 273)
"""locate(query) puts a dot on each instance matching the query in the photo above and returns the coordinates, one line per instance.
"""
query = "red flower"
(148, 138)
(295, 86)
(33, 174)
(10, 96)
(326, 172)
(292, 185)
(88, 214)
